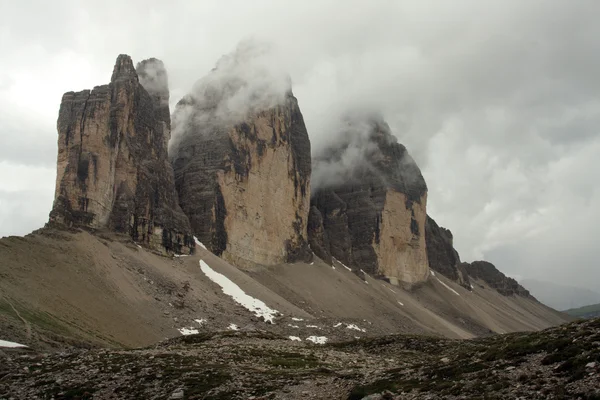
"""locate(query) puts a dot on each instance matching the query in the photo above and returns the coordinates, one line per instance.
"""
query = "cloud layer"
(496, 101)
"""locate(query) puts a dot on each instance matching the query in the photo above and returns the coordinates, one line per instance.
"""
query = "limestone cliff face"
(244, 182)
(443, 258)
(488, 273)
(374, 210)
(113, 171)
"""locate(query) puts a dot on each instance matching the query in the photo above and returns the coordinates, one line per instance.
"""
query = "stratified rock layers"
(373, 215)
(245, 184)
(113, 170)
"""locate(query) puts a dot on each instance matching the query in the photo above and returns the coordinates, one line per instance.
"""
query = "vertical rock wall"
(113, 170)
(245, 185)
(373, 210)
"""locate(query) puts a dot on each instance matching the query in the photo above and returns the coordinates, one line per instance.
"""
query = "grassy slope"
(590, 311)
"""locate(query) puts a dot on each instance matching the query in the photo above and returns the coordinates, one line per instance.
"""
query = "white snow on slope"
(293, 326)
(339, 262)
(295, 339)
(313, 326)
(402, 304)
(5, 343)
(200, 321)
(199, 243)
(233, 327)
(317, 339)
(449, 288)
(255, 306)
(472, 287)
(392, 290)
(355, 327)
(432, 273)
(337, 325)
(188, 331)
(297, 319)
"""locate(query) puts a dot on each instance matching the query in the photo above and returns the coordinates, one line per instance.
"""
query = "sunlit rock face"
(372, 199)
(242, 164)
(113, 170)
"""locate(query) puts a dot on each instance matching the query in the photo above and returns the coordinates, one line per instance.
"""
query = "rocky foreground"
(558, 363)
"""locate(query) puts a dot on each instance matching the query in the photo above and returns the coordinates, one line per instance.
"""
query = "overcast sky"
(497, 101)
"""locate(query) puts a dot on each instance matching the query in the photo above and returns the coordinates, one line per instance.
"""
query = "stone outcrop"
(243, 178)
(488, 273)
(113, 170)
(442, 256)
(373, 210)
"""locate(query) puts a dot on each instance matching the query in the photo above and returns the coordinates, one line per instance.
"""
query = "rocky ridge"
(113, 170)
(488, 273)
(442, 255)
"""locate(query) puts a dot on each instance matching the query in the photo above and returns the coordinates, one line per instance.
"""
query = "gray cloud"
(496, 101)
(247, 80)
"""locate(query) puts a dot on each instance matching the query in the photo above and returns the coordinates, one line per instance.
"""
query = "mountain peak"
(124, 69)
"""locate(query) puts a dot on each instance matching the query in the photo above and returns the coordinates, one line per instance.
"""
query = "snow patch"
(297, 319)
(312, 263)
(366, 282)
(295, 339)
(355, 327)
(199, 243)
(337, 325)
(233, 327)
(313, 326)
(332, 267)
(317, 339)
(6, 343)
(255, 306)
(448, 287)
(402, 304)
(341, 263)
(200, 321)
(432, 273)
(392, 290)
(181, 255)
(293, 326)
(472, 287)
(188, 331)
(138, 246)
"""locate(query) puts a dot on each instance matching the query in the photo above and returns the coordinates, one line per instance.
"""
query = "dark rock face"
(488, 273)
(442, 256)
(373, 210)
(318, 238)
(113, 169)
(243, 177)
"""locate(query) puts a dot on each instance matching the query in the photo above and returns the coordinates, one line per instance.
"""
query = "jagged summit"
(124, 69)
(371, 198)
(113, 170)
